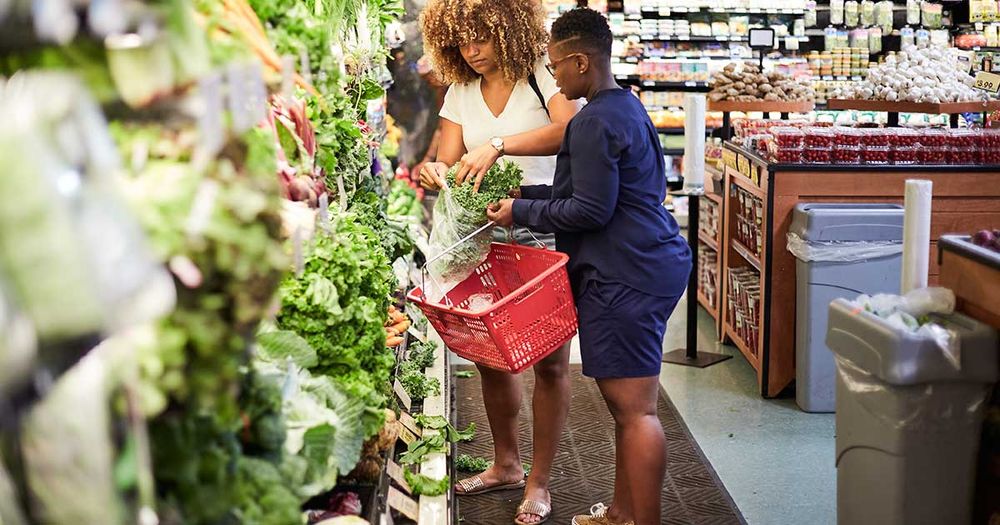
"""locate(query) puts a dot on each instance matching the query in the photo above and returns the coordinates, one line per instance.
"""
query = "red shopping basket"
(531, 316)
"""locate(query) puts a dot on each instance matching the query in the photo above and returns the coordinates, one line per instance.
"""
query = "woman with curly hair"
(503, 103)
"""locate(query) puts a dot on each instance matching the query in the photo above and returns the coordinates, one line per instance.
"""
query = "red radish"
(983, 238)
(299, 189)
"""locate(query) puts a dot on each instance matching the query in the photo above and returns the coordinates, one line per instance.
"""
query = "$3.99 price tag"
(987, 82)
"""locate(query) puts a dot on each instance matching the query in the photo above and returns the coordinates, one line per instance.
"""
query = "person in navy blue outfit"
(628, 265)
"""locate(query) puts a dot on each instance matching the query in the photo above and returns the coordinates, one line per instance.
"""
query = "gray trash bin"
(908, 420)
(850, 249)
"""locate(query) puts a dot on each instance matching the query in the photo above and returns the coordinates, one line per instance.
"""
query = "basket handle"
(423, 269)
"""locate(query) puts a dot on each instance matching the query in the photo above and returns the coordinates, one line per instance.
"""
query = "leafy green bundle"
(338, 305)
(496, 185)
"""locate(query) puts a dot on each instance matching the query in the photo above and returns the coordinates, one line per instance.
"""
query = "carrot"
(391, 332)
(401, 326)
(393, 342)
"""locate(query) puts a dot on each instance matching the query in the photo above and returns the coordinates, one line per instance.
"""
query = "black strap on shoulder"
(533, 82)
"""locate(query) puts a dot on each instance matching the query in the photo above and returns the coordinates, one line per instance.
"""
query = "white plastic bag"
(453, 261)
(847, 251)
(904, 312)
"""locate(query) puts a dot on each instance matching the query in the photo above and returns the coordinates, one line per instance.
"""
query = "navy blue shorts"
(621, 330)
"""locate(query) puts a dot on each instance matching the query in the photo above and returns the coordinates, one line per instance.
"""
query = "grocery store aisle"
(776, 461)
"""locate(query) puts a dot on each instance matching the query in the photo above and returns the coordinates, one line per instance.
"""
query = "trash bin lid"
(848, 222)
(899, 357)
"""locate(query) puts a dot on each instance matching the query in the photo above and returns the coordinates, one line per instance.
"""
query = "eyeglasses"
(551, 66)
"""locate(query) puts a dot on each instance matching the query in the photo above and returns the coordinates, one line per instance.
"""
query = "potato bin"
(909, 416)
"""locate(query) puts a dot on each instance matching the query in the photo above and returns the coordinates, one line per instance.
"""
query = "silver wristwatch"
(497, 142)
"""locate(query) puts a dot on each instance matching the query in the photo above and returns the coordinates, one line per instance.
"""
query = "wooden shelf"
(744, 182)
(912, 107)
(740, 344)
(766, 106)
(703, 301)
(746, 254)
(708, 240)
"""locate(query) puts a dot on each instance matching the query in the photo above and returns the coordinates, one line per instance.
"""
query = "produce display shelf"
(704, 302)
(741, 345)
(965, 198)
(680, 130)
(766, 106)
(664, 85)
(973, 273)
(691, 38)
(708, 240)
(720, 10)
(913, 107)
(746, 254)
(438, 510)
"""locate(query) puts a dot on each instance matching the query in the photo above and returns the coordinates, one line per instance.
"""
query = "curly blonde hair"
(516, 27)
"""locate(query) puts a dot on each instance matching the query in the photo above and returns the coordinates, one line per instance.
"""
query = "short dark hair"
(587, 28)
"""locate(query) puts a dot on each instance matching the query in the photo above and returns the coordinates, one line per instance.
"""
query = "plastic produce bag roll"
(916, 234)
(694, 141)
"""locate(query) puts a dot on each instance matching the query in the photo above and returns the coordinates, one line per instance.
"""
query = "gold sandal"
(475, 485)
(543, 511)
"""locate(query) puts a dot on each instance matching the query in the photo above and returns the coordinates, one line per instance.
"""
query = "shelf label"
(683, 37)
(404, 504)
(722, 38)
(772, 11)
(395, 472)
(404, 398)
(691, 83)
(755, 10)
(407, 420)
(987, 82)
(648, 83)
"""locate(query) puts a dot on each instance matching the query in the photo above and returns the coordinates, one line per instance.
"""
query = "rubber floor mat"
(583, 473)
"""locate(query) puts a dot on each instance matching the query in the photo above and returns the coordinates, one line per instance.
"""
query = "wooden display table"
(895, 108)
(710, 297)
(965, 199)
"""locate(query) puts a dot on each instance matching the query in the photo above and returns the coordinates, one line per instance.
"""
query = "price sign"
(404, 434)
(422, 337)
(987, 82)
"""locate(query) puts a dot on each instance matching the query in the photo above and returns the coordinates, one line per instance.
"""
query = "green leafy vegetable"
(467, 463)
(465, 374)
(419, 386)
(419, 449)
(496, 185)
(451, 433)
(425, 486)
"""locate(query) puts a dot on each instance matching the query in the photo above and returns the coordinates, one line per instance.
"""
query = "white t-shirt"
(464, 105)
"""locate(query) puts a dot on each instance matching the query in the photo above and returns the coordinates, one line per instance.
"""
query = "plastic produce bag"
(841, 251)
(452, 223)
(460, 213)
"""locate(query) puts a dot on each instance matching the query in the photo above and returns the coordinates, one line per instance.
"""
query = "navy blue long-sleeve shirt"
(606, 202)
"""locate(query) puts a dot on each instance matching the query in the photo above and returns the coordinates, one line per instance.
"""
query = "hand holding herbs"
(458, 213)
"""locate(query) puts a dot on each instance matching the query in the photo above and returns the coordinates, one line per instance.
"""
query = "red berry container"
(817, 155)
(964, 156)
(990, 140)
(933, 155)
(904, 138)
(846, 155)
(787, 137)
(787, 156)
(963, 139)
(905, 156)
(934, 138)
(877, 138)
(876, 156)
(819, 138)
(848, 137)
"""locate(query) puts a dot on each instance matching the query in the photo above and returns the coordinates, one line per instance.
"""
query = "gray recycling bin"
(843, 251)
(908, 418)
